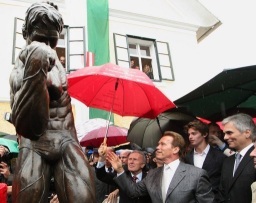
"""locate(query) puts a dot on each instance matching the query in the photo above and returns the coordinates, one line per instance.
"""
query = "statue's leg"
(31, 180)
(73, 177)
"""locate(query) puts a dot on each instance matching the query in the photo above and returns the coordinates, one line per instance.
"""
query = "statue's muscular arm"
(29, 93)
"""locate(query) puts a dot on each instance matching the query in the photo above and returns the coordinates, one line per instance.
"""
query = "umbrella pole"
(110, 113)
(105, 137)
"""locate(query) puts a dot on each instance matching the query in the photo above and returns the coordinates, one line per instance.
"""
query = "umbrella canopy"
(127, 92)
(146, 132)
(232, 90)
(85, 127)
(116, 136)
(8, 136)
(10, 144)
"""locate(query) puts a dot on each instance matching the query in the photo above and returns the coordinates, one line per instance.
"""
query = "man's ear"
(176, 150)
(205, 135)
(247, 133)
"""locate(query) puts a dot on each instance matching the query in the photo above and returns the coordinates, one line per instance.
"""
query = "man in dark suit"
(104, 173)
(135, 164)
(203, 155)
(238, 172)
(174, 182)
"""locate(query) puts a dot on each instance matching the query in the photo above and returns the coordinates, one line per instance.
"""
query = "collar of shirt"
(106, 169)
(100, 164)
(205, 151)
(139, 176)
(244, 150)
(173, 165)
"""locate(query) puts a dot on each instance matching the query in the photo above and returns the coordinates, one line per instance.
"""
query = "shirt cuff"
(222, 147)
(100, 164)
(118, 174)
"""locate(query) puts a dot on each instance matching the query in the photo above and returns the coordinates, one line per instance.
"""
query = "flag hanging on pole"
(98, 41)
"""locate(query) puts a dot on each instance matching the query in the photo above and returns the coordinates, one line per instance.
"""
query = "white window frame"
(159, 55)
(18, 40)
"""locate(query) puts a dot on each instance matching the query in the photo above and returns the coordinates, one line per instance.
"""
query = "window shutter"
(76, 49)
(18, 40)
(165, 63)
(121, 50)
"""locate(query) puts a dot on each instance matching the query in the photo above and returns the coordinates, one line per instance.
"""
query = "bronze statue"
(42, 115)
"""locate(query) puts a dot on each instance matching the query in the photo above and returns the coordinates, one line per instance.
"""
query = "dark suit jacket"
(237, 189)
(102, 188)
(189, 184)
(108, 178)
(212, 164)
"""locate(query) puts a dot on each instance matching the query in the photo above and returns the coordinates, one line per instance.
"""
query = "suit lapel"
(230, 167)
(157, 180)
(191, 157)
(178, 176)
(208, 160)
(246, 159)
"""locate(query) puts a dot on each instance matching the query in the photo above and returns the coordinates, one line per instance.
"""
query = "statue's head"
(43, 23)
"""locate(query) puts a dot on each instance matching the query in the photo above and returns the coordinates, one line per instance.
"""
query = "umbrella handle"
(110, 113)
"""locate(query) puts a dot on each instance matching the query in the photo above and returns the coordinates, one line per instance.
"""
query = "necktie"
(109, 169)
(134, 178)
(238, 157)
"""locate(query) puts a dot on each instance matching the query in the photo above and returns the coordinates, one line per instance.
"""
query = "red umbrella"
(127, 92)
(116, 136)
(85, 127)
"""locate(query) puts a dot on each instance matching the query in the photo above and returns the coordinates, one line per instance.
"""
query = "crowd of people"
(219, 166)
(207, 171)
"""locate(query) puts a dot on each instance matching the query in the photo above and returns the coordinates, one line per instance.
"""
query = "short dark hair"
(178, 141)
(198, 125)
(213, 124)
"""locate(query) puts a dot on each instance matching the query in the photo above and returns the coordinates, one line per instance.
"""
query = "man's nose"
(225, 136)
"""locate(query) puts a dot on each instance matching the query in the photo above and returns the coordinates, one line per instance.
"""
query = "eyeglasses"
(123, 157)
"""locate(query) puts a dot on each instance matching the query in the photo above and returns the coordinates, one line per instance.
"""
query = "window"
(18, 40)
(148, 55)
(70, 47)
(76, 50)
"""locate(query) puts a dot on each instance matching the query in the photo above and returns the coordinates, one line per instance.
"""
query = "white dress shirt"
(168, 172)
(199, 158)
(100, 164)
(139, 176)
